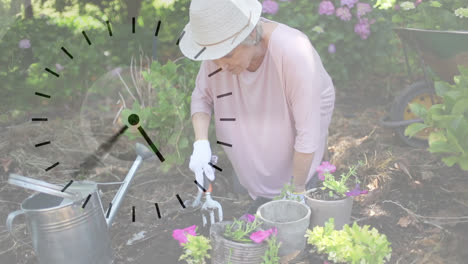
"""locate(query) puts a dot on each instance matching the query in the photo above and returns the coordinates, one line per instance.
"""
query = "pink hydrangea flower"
(325, 167)
(24, 44)
(270, 7)
(248, 218)
(259, 236)
(397, 7)
(331, 48)
(363, 27)
(363, 8)
(326, 8)
(343, 13)
(181, 234)
(349, 3)
(417, 2)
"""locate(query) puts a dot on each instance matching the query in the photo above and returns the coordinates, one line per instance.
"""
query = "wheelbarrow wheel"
(420, 92)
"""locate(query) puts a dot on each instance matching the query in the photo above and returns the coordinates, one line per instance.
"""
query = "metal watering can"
(62, 231)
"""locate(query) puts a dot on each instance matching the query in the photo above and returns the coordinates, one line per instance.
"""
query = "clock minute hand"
(94, 159)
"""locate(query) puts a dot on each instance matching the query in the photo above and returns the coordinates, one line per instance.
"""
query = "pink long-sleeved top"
(284, 106)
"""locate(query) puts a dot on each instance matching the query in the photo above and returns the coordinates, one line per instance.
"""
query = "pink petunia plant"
(259, 236)
(325, 167)
(181, 234)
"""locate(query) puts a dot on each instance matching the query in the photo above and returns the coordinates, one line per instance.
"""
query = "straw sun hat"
(216, 27)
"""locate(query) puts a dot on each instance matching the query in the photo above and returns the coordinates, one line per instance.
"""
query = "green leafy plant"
(339, 188)
(196, 250)
(353, 245)
(286, 192)
(272, 253)
(169, 116)
(240, 230)
(448, 121)
(441, 15)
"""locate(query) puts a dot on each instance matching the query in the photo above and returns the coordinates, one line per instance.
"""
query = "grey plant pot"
(291, 218)
(322, 210)
(227, 251)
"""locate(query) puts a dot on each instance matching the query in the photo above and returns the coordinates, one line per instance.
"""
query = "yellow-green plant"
(196, 250)
(353, 245)
(448, 121)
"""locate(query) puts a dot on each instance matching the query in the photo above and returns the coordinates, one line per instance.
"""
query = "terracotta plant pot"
(228, 251)
(322, 210)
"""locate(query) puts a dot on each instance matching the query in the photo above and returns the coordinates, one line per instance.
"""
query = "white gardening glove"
(199, 160)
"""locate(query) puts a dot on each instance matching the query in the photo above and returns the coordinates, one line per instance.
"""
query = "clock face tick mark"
(109, 28)
(157, 28)
(39, 119)
(133, 25)
(224, 95)
(180, 201)
(133, 214)
(86, 201)
(53, 166)
(215, 72)
(86, 37)
(201, 51)
(42, 144)
(223, 143)
(43, 95)
(52, 72)
(227, 119)
(108, 211)
(178, 40)
(157, 210)
(66, 186)
(66, 52)
(198, 184)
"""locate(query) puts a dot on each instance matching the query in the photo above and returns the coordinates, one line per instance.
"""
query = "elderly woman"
(272, 98)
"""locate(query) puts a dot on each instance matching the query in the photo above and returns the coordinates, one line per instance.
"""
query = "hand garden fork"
(210, 205)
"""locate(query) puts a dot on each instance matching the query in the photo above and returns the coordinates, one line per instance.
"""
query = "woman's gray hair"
(253, 41)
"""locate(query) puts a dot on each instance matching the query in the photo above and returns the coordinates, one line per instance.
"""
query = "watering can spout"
(143, 153)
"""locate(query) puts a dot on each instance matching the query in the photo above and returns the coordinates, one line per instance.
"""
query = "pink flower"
(397, 7)
(343, 13)
(363, 8)
(325, 167)
(270, 7)
(181, 234)
(248, 217)
(259, 236)
(326, 8)
(331, 48)
(349, 3)
(417, 2)
(363, 28)
(24, 44)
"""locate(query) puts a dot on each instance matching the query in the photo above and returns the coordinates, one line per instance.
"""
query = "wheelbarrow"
(440, 52)
(68, 224)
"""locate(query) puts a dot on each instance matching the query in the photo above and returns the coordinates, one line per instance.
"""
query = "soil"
(414, 199)
(323, 195)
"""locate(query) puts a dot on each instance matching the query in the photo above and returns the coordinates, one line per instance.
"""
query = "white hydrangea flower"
(407, 5)
(461, 12)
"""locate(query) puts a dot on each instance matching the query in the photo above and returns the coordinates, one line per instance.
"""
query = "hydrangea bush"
(351, 37)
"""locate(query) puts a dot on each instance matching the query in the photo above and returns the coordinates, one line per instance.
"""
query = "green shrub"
(448, 121)
(352, 245)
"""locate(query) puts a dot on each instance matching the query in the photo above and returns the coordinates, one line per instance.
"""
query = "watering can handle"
(9, 223)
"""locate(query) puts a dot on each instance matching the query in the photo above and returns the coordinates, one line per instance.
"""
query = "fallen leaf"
(404, 221)
(6, 164)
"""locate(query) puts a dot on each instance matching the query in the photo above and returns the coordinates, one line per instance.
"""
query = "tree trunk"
(28, 9)
(133, 8)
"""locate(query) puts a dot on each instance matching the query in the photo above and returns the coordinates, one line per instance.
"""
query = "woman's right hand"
(199, 161)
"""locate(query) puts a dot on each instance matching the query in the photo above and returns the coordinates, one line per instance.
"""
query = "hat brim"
(191, 49)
